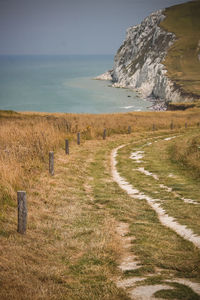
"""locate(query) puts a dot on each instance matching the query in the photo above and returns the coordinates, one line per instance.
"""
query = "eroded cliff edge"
(138, 62)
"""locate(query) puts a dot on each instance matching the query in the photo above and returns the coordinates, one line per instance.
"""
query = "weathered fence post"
(66, 146)
(51, 162)
(78, 138)
(154, 127)
(22, 212)
(104, 134)
(129, 129)
(172, 125)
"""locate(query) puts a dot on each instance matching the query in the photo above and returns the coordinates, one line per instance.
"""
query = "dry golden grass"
(187, 153)
(71, 248)
(26, 138)
(24, 147)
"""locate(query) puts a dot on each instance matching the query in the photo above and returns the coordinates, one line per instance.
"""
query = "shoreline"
(156, 103)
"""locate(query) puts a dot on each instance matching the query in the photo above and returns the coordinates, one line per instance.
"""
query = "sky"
(70, 26)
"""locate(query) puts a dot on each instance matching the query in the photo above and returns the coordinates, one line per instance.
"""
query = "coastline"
(156, 104)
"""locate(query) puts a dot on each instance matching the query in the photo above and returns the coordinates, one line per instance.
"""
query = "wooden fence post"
(51, 162)
(154, 127)
(172, 125)
(104, 134)
(129, 129)
(66, 146)
(22, 212)
(78, 138)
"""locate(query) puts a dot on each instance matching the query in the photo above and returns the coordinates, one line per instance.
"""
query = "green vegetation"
(181, 106)
(181, 292)
(182, 61)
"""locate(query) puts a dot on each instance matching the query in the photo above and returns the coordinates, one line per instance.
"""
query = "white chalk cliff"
(138, 62)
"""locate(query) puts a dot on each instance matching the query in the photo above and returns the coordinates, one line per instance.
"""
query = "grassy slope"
(182, 62)
(71, 249)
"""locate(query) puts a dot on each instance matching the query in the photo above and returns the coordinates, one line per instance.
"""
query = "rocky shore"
(155, 103)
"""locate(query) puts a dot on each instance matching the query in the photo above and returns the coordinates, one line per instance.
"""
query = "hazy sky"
(70, 26)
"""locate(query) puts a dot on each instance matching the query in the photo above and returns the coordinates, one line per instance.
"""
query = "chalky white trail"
(164, 218)
(146, 292)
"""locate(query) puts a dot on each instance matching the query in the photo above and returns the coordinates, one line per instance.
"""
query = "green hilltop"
(183, 58)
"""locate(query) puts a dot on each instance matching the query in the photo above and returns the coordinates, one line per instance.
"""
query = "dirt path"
(147, 291)
(164, 218)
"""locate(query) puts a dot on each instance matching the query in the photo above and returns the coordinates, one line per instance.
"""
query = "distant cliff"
(138, 63)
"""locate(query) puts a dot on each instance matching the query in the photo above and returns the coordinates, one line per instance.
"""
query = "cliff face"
(138, 62)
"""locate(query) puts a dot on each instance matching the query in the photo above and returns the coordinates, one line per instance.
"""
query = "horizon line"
(48, 54)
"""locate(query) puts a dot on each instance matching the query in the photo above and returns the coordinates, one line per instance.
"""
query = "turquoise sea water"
(62, 84)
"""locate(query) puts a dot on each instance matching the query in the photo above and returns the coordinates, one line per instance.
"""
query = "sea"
(63, 83)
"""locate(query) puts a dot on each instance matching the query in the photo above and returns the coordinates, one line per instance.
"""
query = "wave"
(127, 107)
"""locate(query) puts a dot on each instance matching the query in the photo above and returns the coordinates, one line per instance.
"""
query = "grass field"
(73, 249)
(182, 63)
